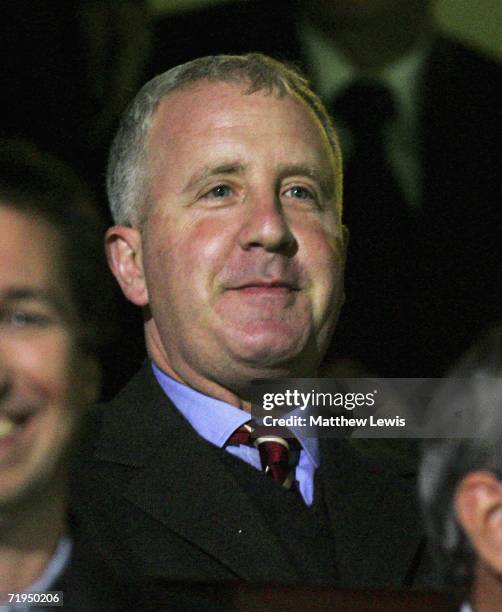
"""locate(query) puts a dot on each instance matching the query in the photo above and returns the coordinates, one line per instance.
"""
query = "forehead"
(217, 110)
(30, 251)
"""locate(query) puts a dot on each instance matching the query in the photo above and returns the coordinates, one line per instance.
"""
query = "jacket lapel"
(183, 483)
(374, 516)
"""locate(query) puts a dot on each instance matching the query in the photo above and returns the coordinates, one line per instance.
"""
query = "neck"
(189, 377)
(369, 45)
(486, 593)
(28, 539)
(230, 384)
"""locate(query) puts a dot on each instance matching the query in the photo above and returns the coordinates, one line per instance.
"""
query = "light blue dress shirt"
(52, 572)
(216, 421)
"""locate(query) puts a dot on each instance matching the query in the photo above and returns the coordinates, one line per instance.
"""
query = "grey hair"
(450, 455)
(128, 170)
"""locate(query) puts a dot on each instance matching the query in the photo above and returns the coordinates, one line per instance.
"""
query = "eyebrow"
(18, 294)
(209, 171)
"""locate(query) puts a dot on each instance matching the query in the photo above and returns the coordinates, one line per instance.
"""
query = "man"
(460, 479)
(418, 118)
(49, 332)
(225, 185)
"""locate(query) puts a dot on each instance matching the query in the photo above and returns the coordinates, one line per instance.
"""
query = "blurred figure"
(461, 479)
(419, 124)
(70, 68)
(51, 308)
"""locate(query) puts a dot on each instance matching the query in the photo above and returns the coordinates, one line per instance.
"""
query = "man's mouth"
(12, 425)
(267, 287)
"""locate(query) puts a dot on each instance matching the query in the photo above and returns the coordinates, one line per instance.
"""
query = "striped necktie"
(278, 456)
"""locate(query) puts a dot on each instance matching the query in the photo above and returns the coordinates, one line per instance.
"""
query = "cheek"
(44, 365)
(192, 253)
(205, 244)
(321, 252)
(323, 264)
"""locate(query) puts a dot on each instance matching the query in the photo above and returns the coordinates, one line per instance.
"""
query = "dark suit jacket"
(156, 503)
(451, 290)
(88, 586)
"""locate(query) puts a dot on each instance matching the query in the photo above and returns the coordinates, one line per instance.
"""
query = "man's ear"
(478, 506)
(125, 257)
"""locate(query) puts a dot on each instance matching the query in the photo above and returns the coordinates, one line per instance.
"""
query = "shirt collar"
(214, 420)
(54, 568)
(333, 72)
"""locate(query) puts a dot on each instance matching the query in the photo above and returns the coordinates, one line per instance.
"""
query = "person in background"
(461, 478)
(52, 304)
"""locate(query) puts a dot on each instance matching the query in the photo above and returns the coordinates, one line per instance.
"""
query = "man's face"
(243, 249)
(38, 358)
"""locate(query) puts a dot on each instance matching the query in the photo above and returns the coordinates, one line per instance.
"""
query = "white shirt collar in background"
(332, 73)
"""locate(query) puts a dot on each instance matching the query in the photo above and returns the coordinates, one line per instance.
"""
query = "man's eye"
(220, 191)
(300, 193)
(23, 318)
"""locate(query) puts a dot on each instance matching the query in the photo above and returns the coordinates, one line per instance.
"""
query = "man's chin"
(44, 478)
(277, 357)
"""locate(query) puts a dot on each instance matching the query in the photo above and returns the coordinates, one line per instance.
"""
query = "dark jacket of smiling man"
(225, 185)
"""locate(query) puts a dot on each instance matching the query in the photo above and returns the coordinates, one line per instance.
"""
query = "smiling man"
(225, 186)
(37, 363)
(48, 369)
(241, 238)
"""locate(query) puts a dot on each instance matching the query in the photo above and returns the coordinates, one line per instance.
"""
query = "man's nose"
(267, 226)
